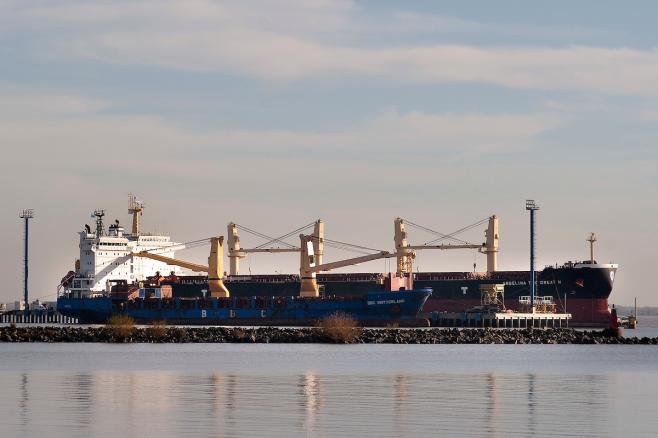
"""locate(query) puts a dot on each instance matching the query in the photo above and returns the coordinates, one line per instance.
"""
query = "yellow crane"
(236, 252)
(215, 268)
(309, 265)
(406, 252)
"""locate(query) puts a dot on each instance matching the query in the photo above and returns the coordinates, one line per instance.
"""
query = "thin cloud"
(298, 42)
(83, 134)
(14, 103)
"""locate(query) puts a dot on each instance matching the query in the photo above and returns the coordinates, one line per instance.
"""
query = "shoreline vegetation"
(327, 334)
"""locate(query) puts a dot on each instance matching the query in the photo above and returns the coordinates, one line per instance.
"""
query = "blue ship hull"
(374, 308)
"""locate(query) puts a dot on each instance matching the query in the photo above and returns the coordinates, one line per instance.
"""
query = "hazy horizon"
(277, 113)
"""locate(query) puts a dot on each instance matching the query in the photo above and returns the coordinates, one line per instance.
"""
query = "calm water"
(82, 390)
(647, 326)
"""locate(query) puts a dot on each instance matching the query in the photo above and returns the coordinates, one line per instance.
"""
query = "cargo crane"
(215, 267)
(406, 253)
(236, 252)
(309, 265)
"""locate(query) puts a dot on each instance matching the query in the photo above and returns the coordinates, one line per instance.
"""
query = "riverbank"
(313, 335)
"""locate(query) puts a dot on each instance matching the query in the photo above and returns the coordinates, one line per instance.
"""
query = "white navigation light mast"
(532, 207)
(26, 215)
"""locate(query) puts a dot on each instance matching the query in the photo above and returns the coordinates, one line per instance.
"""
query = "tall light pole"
(532, 207)
(26, 215)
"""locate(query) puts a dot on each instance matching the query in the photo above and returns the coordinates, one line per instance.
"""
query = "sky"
(272, 114)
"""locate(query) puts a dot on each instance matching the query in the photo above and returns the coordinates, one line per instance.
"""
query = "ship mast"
(135, 208)
(591, 239)
(100, 229)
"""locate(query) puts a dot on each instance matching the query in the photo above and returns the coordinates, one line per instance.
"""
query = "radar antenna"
(100, 229)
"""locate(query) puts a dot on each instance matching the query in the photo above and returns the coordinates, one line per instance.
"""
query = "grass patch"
(122, 326)
(157, 330)
(340, 328)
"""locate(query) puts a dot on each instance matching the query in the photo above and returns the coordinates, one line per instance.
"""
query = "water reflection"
(231, 403)
(157, 403)
(492, 402)
(77, 400)
(309, 389)
(532, 420)
(400, 404)
(23, 400)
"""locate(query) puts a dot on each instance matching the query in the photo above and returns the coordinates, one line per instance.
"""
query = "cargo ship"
(581, 289)
(118, 263)
(373, 309)
(112, 278)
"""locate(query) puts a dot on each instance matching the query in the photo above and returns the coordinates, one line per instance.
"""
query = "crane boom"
(272, 250)
(483, 246)
(215, 268)
(171, 261)
(308, 266)
(352, 261)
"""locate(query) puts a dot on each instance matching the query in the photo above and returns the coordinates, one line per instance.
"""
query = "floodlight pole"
(26, 215)
(532, 207)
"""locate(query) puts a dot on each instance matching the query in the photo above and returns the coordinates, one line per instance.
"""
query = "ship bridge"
(106, 254)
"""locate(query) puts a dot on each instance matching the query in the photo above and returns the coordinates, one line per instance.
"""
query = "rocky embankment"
(163, 334)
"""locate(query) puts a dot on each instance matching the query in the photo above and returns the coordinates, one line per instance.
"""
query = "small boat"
(629, 321)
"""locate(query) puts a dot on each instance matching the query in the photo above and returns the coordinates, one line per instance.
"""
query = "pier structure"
(492, 313)
(36, 318)
(500, 320)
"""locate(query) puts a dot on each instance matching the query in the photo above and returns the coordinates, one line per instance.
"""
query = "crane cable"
(461, 230)
(285, 236)
(185, 245)
(450, 236)
(263, 236)
(348, 246)
(202, 242)
(431, 231)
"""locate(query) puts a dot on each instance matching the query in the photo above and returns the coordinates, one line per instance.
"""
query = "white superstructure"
(105, 257)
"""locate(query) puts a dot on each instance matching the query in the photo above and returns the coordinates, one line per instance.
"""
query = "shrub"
(340, 328)
(239, 334)
(157, 330)
(121, 326)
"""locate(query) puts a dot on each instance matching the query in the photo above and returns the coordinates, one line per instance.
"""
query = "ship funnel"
(216, 268)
